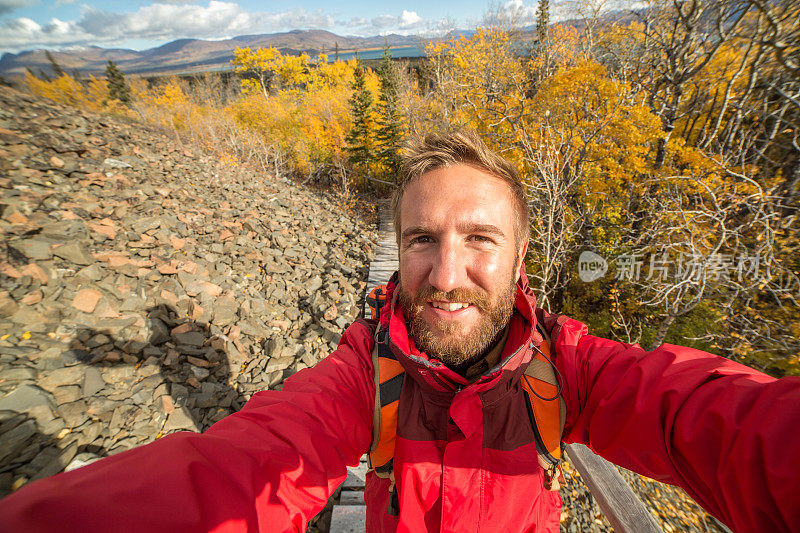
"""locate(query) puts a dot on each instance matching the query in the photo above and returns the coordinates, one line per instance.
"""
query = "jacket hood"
(434, 376)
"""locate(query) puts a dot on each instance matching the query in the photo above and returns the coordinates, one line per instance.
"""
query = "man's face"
(458, 261)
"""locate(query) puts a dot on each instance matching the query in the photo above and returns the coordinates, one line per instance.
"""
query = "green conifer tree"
(118, 88)
(389, 134)
(359, 144)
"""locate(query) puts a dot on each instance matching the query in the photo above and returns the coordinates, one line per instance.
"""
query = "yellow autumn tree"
(91, 94)
(259, 67)
(300, 107)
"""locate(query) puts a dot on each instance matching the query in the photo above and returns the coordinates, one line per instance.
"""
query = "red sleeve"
(269, 467)
(729, 435)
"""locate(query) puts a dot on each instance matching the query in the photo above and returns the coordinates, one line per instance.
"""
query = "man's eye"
(480, 238)
(421, 239)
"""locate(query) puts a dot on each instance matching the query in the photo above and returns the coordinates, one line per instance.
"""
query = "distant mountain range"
(187, 55)
(196, 55)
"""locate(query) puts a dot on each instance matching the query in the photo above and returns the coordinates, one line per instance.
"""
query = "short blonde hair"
(439, 150)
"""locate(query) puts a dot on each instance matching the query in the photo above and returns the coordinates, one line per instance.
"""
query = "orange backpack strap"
(546, 410)
(389, 378)
(388, 375)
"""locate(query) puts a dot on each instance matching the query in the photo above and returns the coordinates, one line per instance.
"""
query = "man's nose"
(448, 270)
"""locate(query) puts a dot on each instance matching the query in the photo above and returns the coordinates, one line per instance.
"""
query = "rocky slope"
(147, 288)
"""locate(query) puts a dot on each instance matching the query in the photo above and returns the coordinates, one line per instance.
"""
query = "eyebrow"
(488, 229)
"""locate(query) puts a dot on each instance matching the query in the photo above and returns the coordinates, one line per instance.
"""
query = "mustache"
(459, 294)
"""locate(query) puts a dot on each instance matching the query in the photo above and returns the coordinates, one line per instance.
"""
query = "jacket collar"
(440, 381)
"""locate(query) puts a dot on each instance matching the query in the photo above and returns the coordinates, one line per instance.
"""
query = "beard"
(446, 340)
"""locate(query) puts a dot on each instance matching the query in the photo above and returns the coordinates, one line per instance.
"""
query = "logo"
(591, 266)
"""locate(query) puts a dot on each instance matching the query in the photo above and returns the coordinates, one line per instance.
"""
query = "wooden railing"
(620, 505)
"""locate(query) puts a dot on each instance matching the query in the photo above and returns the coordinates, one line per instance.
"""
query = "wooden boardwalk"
(385, 261)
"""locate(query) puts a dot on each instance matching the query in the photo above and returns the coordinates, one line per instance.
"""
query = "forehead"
(459, 193)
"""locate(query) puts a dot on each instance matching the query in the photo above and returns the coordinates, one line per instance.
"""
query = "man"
(462, 322)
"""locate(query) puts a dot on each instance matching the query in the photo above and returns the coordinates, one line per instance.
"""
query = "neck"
(491, 354)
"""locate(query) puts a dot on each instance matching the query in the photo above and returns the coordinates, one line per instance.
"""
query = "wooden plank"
(349, 519)
(351, 497)
(625, 512)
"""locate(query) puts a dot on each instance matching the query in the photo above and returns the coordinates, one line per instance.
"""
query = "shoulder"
(360, 333)
(355, 345)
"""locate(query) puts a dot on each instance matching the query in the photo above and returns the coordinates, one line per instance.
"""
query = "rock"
(82, 459)
(314, 284)
(92, 272)
(32, 298)
(331, 313)
(167, 405)
(15, 217)
(33, 249)
(206, 288)
(279, 363)
(72, 375)
(158, 331)
(23, 398)
(30, 319)
(331, 336)
(86, 300)
(66, 394)
(74, 253)
(14, 440)
(7, 305)
(191, 338)
(115, 163)
(182, 328)
(36, 272)
(57, 463)
(200, 373)
(225, 310)
(178, 420)
(92, 382)
(19, 374)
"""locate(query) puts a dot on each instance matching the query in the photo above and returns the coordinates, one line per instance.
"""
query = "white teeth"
(450, 306)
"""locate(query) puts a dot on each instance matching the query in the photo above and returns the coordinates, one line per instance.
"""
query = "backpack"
(546, 408)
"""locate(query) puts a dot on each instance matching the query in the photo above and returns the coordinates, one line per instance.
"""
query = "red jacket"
(726, 433)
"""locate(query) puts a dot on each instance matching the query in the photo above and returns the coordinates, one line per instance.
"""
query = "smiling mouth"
(450, 306)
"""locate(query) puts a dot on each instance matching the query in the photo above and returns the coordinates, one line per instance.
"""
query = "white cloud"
(384, 21)
(7, 6)
(168, 20)
(355, 22)
(410, 19)
(406, 23)
(159, 22)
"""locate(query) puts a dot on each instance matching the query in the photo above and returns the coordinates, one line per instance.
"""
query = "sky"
(141, 24)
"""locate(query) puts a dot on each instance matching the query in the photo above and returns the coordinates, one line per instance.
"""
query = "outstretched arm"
(269, 467)
(724, 432)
